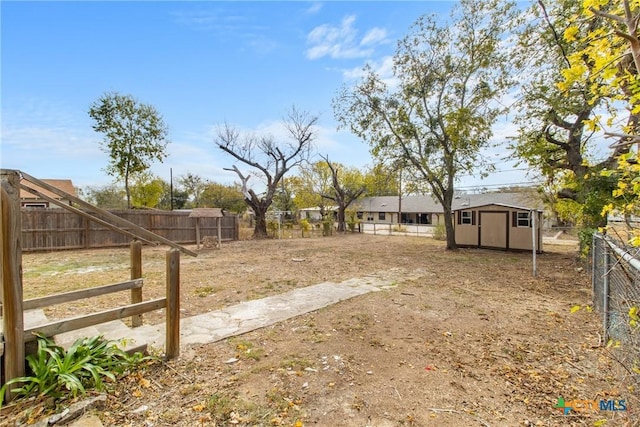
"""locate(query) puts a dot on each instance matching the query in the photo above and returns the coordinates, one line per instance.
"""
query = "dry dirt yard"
(465, 338)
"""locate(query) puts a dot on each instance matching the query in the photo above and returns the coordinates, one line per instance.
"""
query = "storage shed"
(498, 226)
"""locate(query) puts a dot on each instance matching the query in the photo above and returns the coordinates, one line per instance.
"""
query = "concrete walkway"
(250, 315)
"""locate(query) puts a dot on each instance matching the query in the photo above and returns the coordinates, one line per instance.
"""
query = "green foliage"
(147, 190)
(273, 227)
(134, 135)
(327, 225)
(106, 197)
(226, 197)
(441, 114)
(86, 364)
(439, 232)
(381, 180)
(193, 185)
(313, 181)
(305, 226)
(352, 220)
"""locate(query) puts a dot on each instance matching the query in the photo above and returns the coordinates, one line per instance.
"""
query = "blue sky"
(199, 63)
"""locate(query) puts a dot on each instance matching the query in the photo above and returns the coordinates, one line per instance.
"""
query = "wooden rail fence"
(58, 229)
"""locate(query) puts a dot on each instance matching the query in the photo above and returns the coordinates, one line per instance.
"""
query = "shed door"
(493, 230)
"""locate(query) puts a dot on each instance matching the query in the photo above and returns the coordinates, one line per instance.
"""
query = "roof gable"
(62, 184)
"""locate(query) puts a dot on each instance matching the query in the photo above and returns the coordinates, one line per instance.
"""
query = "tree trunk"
(450, 230)
(260, 230)
(341, 220)
(447, 197)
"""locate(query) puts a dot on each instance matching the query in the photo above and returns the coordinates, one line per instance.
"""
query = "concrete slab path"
(250, 315)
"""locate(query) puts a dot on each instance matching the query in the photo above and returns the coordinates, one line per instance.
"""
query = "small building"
(498, 226)
(314, 214)
(29, 200)
(489, 220)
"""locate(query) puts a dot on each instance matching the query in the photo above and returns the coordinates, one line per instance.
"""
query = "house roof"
(428, 204)
(62, 184)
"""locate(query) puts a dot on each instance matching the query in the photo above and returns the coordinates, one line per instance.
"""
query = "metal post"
(593, 267)
(534, 241)
(605, 292)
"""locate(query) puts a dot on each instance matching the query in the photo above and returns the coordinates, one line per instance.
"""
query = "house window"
(523, 219)
(36, 205)
(465, 217)
(359, 215)
(424, 218)
(381, 216)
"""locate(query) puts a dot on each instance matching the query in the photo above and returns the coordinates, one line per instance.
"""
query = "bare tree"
(269, 160)
(344, 189)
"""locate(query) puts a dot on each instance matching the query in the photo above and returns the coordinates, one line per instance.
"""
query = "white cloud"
(374, 36)
(314, 8)
(342, 42)
(382, 68)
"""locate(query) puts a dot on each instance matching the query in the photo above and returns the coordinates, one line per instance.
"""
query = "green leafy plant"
(86, 364)
(439, 233)
(327, 225)
(352, 220)
(305, 226)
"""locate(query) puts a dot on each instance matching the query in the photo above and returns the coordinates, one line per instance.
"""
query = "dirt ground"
(465, 338)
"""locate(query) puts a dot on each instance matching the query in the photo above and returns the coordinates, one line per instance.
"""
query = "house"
(413, 210)
(489, 220)
(314, 214)
(30, 200)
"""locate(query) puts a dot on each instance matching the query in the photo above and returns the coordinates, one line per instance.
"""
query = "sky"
(200, 64)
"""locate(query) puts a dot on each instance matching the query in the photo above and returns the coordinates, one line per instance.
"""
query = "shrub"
(305, 226)
(439, 232)
(86, 364)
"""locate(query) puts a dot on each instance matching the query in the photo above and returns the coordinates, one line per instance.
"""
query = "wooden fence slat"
(41, 302)
(79, 322)
(76, 232)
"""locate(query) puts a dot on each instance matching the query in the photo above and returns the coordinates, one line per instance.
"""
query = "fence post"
(136, 273)
(11, 252)
(605, 291)
(173, 304)
(594, 250)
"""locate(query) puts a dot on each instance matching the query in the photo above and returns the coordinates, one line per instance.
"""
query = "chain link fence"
(616, 296)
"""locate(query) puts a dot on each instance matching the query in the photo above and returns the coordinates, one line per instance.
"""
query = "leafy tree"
(440, 115)
(194, 185)
(381, 180)
(557, 121)
(134, 135)
(314, 179)
(147, 190)
(106, 197)
(268, 159)
(347, 184)
(608, 46)
(226, 197)
(180, 197)
(283, 199)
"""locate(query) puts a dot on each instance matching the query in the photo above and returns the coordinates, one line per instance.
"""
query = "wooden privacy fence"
(53, 229)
